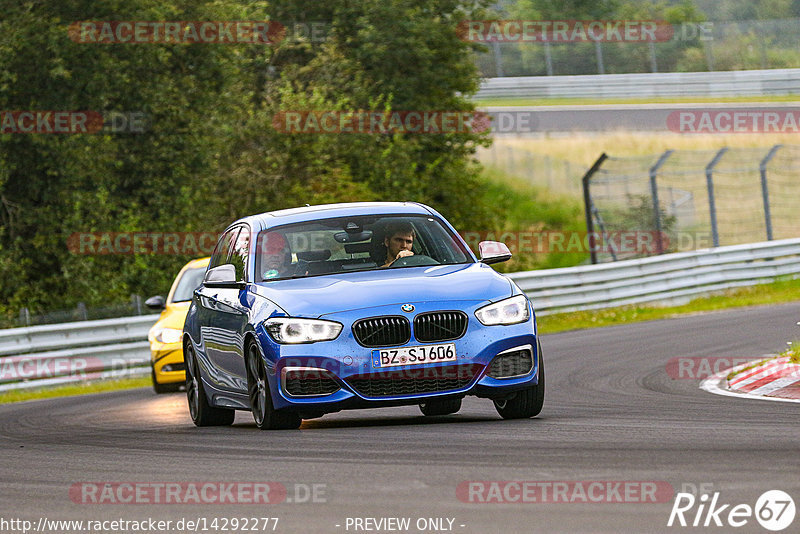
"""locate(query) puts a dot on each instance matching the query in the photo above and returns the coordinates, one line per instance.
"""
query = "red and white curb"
(776, 379)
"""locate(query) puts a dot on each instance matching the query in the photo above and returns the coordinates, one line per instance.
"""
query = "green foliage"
(210, 153)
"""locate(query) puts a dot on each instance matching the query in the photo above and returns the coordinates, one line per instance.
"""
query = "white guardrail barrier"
(47, 355)
(645, 85)
(55, 354)
(666, 278)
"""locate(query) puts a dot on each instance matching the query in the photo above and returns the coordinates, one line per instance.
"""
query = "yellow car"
(167, 367)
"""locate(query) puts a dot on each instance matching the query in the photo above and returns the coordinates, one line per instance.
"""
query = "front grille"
(174, 367)
(440, 326)
(382, 331)
(307, 382)
(516, 363)
(414, 381)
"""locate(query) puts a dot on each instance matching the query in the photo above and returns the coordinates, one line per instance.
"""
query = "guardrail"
(645, 85)
(114, 348)
(46, 355)
(669, 277)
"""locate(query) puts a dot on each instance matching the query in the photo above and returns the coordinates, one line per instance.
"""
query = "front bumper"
(342, 374)
(168, 364)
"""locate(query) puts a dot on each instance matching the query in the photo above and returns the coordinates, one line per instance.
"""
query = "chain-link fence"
(687, 200)
(81, 312)
(691, 47)
(557, 175)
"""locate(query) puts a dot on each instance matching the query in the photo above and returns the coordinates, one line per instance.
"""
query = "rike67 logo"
(774, 510)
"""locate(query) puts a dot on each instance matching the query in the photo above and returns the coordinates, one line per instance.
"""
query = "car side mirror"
(223, 276)
(156, 303)
(493, 252)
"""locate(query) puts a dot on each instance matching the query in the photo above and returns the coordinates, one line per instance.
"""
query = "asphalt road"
(536, 120)
(611, 414)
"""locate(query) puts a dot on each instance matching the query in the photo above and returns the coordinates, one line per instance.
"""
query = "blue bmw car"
(314, 310)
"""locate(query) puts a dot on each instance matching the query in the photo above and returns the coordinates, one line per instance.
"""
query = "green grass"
(69, 390)
(774, 293)
(492, 102)
(528, 209)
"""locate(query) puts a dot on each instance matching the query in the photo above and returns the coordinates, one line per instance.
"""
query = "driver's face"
(274, 261)
(399, 241)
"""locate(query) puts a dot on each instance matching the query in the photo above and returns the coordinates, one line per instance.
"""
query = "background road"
(617, 117)
(611, 413)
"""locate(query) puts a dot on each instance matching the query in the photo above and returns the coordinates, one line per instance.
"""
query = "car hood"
(320, 295)
(173, 316)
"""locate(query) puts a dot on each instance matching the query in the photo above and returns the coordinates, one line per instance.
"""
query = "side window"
(223, 249)
(240, 253)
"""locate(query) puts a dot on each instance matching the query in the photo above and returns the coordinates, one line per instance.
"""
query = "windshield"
(355, 244)
(188, 282)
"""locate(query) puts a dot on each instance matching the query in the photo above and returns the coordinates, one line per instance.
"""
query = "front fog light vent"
(514, 362)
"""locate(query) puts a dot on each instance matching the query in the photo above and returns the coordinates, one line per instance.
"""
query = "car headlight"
(166, 335)
(509, 311)
(291, 330)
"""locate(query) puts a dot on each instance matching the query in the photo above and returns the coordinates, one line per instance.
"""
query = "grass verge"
(774, 293)
(525, 211)
(583, 149)
(492, 102)
(69, 390)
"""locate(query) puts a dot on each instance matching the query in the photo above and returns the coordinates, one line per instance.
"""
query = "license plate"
(414, 355)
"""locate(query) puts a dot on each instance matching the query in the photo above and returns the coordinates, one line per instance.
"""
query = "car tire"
(526, 403)
(163, 388)
(203, 414)
(264, 414)
(440, 407)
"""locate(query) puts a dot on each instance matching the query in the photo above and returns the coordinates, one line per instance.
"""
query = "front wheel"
(203, 414)
(264, 414)
(526, 403)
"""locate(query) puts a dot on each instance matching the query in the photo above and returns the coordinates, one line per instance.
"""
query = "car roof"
(199, 262)
(332, 211)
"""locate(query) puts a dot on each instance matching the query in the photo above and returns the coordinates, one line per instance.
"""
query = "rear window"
(188, 282)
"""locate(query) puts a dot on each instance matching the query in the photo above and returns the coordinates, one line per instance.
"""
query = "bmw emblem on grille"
(407, 308)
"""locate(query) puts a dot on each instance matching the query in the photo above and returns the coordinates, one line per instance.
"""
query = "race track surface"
(611, 414)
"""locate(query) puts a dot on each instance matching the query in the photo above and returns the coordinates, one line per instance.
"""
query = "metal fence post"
(712, 208)
(587, 205)
(25, 316)
(136, 301)
(601, 69)
(548, 58)
(653, 61)
(656, 204)
(498, 60)
(762, 167)
(82, 311)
